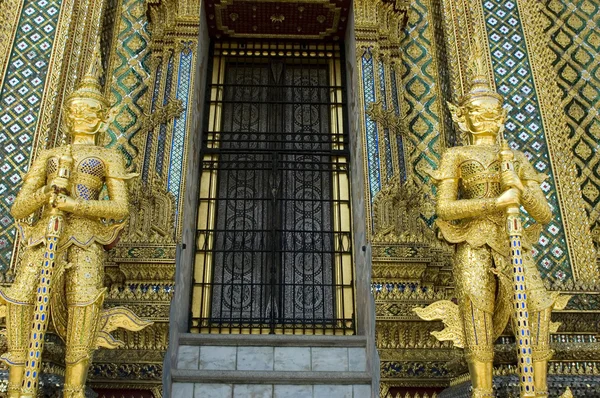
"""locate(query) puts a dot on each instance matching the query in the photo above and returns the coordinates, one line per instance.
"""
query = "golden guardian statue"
(480, 187)
(61, 271)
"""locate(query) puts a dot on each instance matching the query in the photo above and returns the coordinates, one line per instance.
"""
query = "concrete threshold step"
(268, 377)
(271, 340)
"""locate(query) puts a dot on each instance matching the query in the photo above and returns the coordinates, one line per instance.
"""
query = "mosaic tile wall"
(421, 82)
(372, 136)
(20, 100)
(164, 146)
(524, 130)
(130, 74)
(176, 164)
(574, 32)
(419, 101)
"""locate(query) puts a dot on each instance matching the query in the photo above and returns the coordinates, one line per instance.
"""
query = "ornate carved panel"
(308, 19)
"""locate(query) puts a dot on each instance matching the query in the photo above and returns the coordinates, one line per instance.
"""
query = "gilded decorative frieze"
(571, 27)
(429, 373)
(576, 222)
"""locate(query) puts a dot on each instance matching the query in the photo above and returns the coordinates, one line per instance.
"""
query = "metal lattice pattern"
(279, 163)
(524, 129)
(20, 99)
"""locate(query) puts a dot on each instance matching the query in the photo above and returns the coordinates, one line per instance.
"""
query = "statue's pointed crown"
(89, 87)
(477, 69)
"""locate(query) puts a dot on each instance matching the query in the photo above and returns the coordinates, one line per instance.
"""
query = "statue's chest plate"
(479, 180)
(87, 176)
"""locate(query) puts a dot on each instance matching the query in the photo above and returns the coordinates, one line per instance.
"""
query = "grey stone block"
(217, 358)
(332, 391)
(293, 391)
(188, 357)
(357, 359)
(213, 391)
(361, 391)
(329, 359)
(253, 391)
(182, 390)
(292, 358)
(255, 358)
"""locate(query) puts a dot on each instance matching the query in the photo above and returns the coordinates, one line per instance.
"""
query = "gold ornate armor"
(93, 167)
(472, 196)
(468, 185)
(89, 222)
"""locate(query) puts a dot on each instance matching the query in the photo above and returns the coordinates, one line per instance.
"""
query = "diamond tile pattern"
(374, 170)
(20, 99)
(524, 128)
(574, 31)
(421, 89)
(179, 128)
(129, 78)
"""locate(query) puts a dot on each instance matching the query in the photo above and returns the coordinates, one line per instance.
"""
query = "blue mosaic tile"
(179, 128)
(374, 171)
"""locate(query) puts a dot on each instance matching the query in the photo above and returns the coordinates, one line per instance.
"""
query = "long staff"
(54, 228)
(521, 314)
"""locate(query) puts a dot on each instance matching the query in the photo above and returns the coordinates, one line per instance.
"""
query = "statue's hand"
(510, 197)
(510, 179)
(65, 203)
(60, 183)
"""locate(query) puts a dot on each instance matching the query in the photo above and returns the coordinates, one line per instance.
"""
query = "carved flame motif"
(397, 214)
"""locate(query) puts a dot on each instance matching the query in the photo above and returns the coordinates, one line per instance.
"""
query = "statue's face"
(84, 116)
(484, 116)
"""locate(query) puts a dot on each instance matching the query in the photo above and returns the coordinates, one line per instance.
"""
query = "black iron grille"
(275, 242)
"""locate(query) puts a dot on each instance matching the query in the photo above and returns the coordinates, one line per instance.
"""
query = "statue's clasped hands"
(512, 195)
(57, 192)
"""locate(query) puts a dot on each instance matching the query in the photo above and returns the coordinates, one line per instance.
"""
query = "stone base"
(50, 386)
(582, 386)
(271, 366)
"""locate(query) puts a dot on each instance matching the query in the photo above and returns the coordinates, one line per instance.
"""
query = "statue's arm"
(32, 195)
(449, 207)
(116, 207)
(532, 197)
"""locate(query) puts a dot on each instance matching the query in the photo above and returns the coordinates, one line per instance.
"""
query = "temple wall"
(25, 61)
(543, 58)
